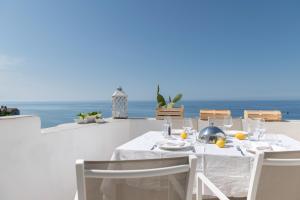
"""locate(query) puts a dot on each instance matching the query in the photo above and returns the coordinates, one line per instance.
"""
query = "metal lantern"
(119, 104)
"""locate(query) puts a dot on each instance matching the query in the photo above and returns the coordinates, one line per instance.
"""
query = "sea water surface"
(54, 113)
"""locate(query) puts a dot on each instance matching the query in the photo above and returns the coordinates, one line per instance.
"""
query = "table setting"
(225, 156)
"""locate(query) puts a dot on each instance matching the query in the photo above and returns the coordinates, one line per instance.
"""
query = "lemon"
(240, 136)
(183, 135)
(220, 143)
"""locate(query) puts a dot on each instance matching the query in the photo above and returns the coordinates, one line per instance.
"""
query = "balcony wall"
(40, 163)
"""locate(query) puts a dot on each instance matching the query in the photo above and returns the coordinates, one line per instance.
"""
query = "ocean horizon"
(53, 113)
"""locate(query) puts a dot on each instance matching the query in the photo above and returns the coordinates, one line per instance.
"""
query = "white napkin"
(261, 146)
(253, 147)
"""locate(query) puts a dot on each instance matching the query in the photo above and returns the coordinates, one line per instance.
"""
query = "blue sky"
(83, 50)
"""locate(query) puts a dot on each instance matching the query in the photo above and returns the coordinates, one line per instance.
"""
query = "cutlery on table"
(153, 147)
(240, 150)
(193, 149)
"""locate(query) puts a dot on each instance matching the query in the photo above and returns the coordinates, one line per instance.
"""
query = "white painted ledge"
(15, 117)
(75, 126)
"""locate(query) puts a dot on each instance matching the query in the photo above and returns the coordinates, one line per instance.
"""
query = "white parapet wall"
(39, 164)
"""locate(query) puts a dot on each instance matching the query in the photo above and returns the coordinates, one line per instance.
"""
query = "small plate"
(174, 145)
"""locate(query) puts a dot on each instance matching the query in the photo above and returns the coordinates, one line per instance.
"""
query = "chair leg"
(199, 188)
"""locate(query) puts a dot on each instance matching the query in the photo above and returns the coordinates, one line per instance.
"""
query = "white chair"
(151, 179)
(275, 176)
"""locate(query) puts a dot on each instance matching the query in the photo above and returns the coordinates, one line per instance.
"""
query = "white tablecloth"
(226, 167)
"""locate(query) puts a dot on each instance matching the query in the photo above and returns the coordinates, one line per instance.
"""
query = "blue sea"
(54, 113)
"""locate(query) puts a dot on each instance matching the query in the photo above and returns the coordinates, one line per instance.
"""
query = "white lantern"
(119, 104)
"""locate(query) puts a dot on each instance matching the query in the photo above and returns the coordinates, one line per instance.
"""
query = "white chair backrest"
(275, 176)
(155, 179)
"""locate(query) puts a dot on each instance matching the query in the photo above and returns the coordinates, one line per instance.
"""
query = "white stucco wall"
(40, 164)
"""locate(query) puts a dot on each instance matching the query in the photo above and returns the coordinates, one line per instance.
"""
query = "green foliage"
(160, 99)
(82, 115)
(177, 98)
(93, 113)
(4, 111)
(98, 115)
(170, 105)
(161, 102)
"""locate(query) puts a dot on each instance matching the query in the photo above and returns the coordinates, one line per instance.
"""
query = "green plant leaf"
(170, 105)
(157, 89)
(177, 98)
(93, 113)
(160, 100)
(82, 115)
(98, 116)
(159, 105)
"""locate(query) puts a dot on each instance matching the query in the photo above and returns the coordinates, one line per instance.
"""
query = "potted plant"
(4, 111)
(82, 118)
(98, 118)
(95, 117)
(90, 117)
(169, 109)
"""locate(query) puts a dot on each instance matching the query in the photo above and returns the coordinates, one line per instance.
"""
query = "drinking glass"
(165, 130)
(187, 125)
(260, 128)
(227, 123)
(193, 137)
(167, 127)
(249, 128)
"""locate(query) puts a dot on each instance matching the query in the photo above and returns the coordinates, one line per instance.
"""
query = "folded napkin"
(261, 146)
(253, 147)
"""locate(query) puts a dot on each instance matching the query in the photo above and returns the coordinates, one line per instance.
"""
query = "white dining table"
(227, 168)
